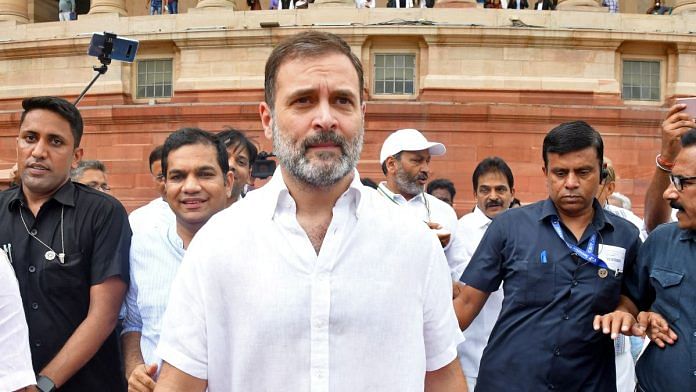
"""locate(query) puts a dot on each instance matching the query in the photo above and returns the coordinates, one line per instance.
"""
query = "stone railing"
(18, 10)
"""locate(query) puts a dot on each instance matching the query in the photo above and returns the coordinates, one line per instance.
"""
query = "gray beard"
(327, 169)
(406, 183)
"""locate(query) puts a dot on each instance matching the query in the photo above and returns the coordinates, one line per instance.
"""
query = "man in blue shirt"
(664, 282)
(197, 185)
(155, 7)
(561, 262)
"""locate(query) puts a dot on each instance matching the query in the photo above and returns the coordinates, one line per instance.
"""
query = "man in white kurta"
(471, 228)
(405, 158)
(494, 190)
(313, 282)
(254, 308)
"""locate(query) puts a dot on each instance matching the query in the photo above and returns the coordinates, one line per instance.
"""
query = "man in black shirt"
(69, 246)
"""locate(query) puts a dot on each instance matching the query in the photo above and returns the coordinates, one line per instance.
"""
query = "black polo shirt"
(543, 339)
(665, 282)
(56, 296)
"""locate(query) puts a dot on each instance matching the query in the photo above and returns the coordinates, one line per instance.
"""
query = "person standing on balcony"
(155, 7)
(66, 10)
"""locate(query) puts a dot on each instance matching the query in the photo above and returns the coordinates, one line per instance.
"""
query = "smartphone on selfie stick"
(106, 47)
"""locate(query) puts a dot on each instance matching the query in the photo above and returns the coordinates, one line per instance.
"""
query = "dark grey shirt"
(543, 339)
(665, 282)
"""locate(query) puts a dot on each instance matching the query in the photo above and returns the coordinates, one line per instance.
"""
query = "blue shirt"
(665, 281)
(543, 339)
(155, 256)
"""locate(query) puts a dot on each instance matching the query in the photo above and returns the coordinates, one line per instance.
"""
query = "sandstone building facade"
(482, 81)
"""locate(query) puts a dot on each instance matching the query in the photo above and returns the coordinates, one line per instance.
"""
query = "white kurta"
(428, 208)
(254, 308)
(16, 370)
(470, 230)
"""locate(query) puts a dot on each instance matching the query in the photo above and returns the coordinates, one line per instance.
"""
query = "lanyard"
(586, 255)
(393, 200)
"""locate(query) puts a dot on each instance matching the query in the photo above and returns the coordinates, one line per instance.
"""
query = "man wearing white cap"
(405, 159)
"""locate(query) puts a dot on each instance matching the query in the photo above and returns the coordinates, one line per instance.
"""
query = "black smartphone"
(123, 49)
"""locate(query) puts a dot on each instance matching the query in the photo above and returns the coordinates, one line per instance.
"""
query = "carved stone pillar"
(684, 6)
(580, 5)
(108, 7)
(216, 4)
(455, 4)
(16, 10)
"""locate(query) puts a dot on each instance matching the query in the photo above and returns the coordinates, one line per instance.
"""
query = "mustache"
(324, 137)
(422, 176)
(676, 205)
(494, 203)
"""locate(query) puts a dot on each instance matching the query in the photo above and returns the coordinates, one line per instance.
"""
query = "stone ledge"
(202, 20)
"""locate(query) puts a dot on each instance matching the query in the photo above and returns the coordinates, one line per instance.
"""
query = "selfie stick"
(104, 58)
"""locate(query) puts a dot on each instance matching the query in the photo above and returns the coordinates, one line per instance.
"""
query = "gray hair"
(84, 165)
(625, 201)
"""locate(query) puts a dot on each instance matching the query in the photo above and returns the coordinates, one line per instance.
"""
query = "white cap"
(408, 140)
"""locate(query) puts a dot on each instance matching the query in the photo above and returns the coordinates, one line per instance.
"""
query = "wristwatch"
(45, 384)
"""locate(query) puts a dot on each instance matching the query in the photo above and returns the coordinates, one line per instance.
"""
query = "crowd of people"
(318, 282)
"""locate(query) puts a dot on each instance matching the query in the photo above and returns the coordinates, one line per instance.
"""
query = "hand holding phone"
(690, 105)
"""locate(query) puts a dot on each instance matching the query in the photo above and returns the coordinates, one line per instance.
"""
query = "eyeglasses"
(680, 182)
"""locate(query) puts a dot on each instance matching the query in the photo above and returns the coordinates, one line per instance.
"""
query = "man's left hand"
(456, 288)
(618, 322)
(442, 234)
(657, 328)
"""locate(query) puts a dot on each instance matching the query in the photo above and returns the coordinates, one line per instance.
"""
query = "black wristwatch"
(45, 384)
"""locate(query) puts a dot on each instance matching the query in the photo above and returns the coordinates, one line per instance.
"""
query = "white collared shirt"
(428, 208)
(470, 230)
(16, 371)
(365, 4)
(629, 216)
(254, 308)
(409, 4)
(625, 368)
(153, 214)
(155, 256)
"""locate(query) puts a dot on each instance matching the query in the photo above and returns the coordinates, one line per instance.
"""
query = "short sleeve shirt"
(543, 339)
(665, 282)
(95, 240)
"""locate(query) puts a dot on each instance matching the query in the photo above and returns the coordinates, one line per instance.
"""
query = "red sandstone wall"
(468, 123)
